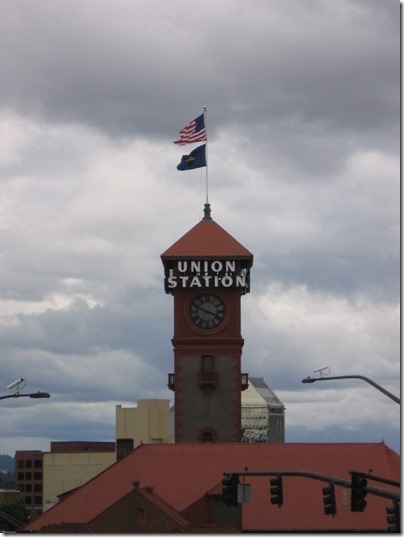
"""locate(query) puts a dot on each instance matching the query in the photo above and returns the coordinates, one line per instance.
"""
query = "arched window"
(207, 435)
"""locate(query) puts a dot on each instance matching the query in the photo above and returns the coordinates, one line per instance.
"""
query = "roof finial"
(206, 211)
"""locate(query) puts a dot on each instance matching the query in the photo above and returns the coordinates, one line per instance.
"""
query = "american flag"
(193, 132)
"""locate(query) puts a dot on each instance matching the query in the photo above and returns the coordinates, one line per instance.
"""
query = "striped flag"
(194, 132)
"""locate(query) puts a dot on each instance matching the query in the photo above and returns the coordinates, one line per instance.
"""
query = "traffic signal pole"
(329, 479)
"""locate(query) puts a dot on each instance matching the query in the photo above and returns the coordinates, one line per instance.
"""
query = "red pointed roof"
(183, 473)
(208, 240)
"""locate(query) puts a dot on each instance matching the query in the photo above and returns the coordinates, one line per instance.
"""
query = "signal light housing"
(358, 492)
(276, 490)
(394, 518)
(230, 488)
(330, 507)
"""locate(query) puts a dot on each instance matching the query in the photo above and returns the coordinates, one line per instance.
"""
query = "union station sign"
(216, 273)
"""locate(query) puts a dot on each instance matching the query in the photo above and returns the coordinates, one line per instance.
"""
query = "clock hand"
(208, 310)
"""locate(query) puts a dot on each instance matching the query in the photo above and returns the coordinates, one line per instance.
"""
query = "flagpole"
(206, 155)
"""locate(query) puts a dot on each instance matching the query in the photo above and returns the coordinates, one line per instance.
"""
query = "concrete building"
(147, 423)
(42, 476)
(71, 464)
(262, 413)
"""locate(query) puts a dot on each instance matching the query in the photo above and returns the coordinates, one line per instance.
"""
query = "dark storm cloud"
(81, 330)
(303, 125)
(101, 64)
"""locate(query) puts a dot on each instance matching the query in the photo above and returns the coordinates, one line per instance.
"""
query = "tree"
(13, 514)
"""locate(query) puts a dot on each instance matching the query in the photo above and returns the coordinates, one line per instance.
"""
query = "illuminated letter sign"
(210, 273)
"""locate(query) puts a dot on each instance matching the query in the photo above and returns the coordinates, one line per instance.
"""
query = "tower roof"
(208, 240)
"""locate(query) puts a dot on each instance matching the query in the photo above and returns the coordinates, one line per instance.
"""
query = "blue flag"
(196, 159)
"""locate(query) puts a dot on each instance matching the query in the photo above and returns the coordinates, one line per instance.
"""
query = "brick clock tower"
(207, 271)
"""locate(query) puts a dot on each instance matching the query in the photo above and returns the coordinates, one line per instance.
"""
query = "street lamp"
(35, 395)
(310, 380)
(19, 385)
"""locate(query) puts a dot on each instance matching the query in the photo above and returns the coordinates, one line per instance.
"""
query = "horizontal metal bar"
(321, 477)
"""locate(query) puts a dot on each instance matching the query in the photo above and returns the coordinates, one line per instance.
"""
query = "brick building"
(29, 478)
(178, 487)
(42, 476)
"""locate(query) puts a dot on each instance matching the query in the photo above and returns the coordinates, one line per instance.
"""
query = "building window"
(28, 476)
(37, 488)
(38, 476)
(207, 373)
(141, 514)
(20, 464)
(28, 464)
(20, 476)
(38, 463)
(171, 381)
(207, 363)
(244, 381)
(207, 435)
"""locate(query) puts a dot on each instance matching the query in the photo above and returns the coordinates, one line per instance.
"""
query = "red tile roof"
(182, 473)
(208, 240)
(151, 496)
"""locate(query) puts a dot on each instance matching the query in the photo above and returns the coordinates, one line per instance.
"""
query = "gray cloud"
(303, 126)
(101, 64)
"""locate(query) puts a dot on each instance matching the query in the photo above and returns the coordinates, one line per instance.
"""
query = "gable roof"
(207, 240)
(149, 494)
(182, 473)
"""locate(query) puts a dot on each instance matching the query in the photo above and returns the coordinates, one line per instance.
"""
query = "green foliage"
(7, 466)
(7, 481)
(13, 514)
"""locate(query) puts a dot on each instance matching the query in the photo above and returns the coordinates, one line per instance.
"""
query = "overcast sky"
(303, 126)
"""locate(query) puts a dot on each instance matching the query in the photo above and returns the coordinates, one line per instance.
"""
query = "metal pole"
(366, 379)
(36, 395)
(322, 477)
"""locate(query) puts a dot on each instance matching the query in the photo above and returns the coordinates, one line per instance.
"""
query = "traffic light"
(330, 507)
(229, 489)
(276, 490)
(358, 492)
(393, 519)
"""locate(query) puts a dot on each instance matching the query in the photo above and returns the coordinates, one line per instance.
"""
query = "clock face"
(207, 311)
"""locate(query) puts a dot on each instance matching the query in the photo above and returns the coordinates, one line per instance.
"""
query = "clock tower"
(207, 271)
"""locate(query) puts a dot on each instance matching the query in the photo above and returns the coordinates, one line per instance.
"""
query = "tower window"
(207, 374)
(171, 381)
(207, 363)
(207, 435)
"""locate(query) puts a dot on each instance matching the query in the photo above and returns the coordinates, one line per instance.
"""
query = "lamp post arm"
(35, 395)
(361, 377)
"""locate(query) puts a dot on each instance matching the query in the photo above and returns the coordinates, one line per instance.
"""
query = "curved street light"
(309, 380)
(35, 395)
(18, 385)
